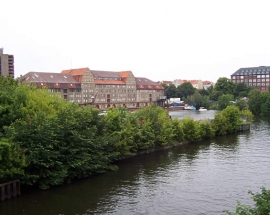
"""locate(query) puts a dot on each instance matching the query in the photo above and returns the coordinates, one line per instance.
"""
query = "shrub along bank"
(46, 141)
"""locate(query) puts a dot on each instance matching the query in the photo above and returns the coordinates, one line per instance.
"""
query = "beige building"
(104, 89)
(6, 64)
(148, 92)
(101, 89)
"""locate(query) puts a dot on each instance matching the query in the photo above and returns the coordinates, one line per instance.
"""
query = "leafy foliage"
(184, 90)
(12, 161)
(254, 102)
(224, 101)
(261, 204)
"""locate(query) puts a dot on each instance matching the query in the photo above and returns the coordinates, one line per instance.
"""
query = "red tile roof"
(124, 74)
(74, 72)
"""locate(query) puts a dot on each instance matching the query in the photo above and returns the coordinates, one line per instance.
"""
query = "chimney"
(1, 50)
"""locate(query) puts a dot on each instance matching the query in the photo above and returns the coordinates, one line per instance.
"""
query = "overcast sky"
(160, 40)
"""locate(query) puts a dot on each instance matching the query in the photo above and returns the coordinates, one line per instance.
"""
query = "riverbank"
(89, 143)
(203, 178)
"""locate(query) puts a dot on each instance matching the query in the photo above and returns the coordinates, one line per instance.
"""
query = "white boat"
(189, 108)
(202, 109)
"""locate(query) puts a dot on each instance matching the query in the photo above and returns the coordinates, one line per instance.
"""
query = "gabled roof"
(48, 77)
(250, 70)
(144, 83)
(105, 74)
(124, 74)
(74, 72)
(50, 80)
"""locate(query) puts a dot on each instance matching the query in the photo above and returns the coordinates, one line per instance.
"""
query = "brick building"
(257, 77)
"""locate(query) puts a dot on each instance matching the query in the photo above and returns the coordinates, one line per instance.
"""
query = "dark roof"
(250, 70)
(105, 74)
(145, 83)
(50, 80)
(48, 77)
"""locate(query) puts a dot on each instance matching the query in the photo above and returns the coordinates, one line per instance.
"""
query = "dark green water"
(202, 178)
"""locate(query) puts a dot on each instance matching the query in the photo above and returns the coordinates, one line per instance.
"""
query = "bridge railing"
(10, 189)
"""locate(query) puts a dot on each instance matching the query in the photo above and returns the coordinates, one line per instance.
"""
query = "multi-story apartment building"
(63, 84)
(6, 64)
(257, 77)
(102, 89)
(105, 89)
(148, 92)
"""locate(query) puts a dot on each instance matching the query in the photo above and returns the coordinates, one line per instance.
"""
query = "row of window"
(76, 95)
(112, 86)
(257, 84)
(248, 77)
(252, 80)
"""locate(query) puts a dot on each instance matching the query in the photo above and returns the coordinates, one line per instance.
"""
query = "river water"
(202, 178)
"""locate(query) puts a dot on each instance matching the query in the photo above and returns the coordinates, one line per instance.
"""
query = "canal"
(202, 178)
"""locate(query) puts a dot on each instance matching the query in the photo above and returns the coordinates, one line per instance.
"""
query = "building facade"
(257, 77)
(101, 89)
(63, 84)
(6, 64)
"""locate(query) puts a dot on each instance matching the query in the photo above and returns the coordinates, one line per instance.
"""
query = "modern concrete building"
(6, 64)
(257, 77)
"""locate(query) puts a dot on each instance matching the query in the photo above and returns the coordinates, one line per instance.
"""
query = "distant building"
(101, 89)
(198, 84)
(63, 84)
(6, 64)
(207, 84)
(166, 82)
(257, 77)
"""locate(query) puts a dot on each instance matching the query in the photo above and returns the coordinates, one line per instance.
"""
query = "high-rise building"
(6, 64)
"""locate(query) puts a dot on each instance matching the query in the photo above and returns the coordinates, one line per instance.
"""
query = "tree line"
(46, 141)
(224, 93)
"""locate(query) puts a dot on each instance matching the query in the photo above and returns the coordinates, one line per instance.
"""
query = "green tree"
(203, 92)
(170, 91)
(232, 114)
(220, 124)
(225, 86)
(224, 101)
(191, 129)
(184, 90)
(12, 162)
(242, 105)
(241, 90)
(254, 102)
(261, 204)
(265, 104)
